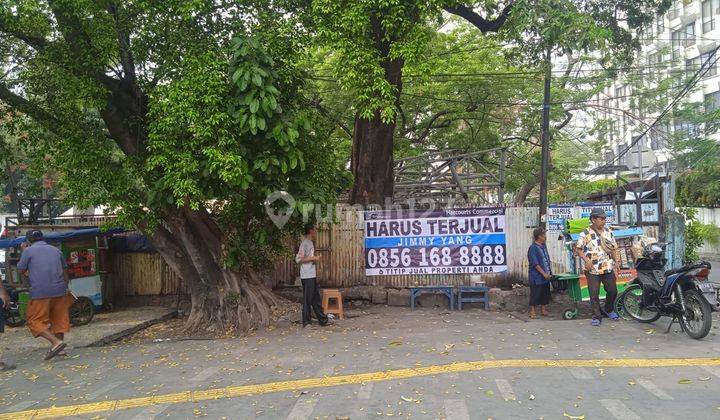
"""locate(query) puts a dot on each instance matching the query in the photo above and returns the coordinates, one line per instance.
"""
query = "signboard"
(650, 213)
(557, 214)
(586, 208)
(81, 262)
(447, 241)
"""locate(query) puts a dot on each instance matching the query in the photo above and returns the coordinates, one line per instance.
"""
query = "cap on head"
(33, 235)
(597, 212)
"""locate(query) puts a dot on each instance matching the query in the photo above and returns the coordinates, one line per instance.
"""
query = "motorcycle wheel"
(632, 305)
(82, 311)
(619, 308)
(697, 318)
(13, 319)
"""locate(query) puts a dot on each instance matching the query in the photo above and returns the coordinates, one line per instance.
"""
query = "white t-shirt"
(307, 249)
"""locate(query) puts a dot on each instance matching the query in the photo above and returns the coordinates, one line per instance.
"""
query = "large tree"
(181, 116)
(375, 40)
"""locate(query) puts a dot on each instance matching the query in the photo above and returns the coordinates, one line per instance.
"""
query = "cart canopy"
(55, 237)
(623, 233)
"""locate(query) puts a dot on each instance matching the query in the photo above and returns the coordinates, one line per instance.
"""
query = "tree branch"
(429, 127)
(325, 113)
(33, 41)
(28, 108)
(566, 121)
(127, 60)
(483, 24)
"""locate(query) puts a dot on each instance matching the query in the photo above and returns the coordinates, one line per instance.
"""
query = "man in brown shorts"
(48, 313)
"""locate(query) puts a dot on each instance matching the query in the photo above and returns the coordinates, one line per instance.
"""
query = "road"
(385, 362)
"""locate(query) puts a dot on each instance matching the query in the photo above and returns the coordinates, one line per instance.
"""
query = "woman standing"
(539, 273)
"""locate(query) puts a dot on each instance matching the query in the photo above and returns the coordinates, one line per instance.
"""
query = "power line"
(688, 85)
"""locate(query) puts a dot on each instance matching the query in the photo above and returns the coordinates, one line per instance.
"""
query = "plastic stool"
(332, 302)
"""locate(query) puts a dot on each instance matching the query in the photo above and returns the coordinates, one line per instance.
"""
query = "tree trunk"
(372, 150)
(222, 300)
(522, 193)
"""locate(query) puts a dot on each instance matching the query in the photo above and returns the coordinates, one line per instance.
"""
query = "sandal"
(595, 322)
(55, 351)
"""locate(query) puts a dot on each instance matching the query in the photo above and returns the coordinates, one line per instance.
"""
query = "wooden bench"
(473, 291)
(445, 290)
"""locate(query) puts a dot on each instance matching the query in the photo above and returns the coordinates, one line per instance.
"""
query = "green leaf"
(257, 80)
(237, 75)
(254, 105)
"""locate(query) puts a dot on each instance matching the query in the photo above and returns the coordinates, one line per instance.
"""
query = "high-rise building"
(672, 50)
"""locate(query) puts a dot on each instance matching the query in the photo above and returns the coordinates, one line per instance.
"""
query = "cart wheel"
(82, 311)
(569, 314)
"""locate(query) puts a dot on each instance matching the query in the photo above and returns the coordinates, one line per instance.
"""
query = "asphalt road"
(386, 362)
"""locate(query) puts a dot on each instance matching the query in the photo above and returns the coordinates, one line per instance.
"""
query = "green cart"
(574, 292)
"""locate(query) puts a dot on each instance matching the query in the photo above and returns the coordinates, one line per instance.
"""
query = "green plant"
(697, 233)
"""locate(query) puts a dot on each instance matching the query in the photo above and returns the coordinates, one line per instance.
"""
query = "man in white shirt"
(308, 277)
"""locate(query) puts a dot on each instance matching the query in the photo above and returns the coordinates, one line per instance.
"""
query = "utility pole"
(545, 156)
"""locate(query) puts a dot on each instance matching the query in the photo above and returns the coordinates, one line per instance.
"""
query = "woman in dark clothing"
(539, 273)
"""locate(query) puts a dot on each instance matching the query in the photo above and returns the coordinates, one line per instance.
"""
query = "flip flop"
(546, 315)
(54, 351)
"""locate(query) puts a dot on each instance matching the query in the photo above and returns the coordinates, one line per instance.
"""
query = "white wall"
(710, 216)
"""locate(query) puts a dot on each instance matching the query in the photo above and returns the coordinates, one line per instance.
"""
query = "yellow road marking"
(358, 378)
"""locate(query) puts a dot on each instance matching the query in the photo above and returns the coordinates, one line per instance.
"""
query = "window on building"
(692, 65)
(653, 59)
(712, 101)
(677, 40)
(612, 127)
(689, 34)
(659, 25)
(658, 135)
(609, 156)
(621, 152)
(708, 15)
(687, 128)
(620, 93)
(674, 11)
(709, 58)
(677, 78)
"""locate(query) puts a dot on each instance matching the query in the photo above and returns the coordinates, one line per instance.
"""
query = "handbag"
(611, 249)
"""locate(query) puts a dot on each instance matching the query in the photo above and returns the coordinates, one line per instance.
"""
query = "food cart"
(82, 250)
(575, 279)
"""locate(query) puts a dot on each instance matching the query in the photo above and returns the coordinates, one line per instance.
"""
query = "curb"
(132, 330)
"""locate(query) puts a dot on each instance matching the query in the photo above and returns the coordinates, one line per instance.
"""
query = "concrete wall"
(710, 216)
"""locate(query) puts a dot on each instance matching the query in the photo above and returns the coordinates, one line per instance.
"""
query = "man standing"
(311, 294)
(48, 313)
(4, 302)
(597, 248)
(539, 273)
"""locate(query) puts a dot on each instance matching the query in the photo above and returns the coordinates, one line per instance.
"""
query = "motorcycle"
(12, 312)
(684, 293)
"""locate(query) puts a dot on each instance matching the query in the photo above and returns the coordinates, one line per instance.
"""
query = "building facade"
(673, 49)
